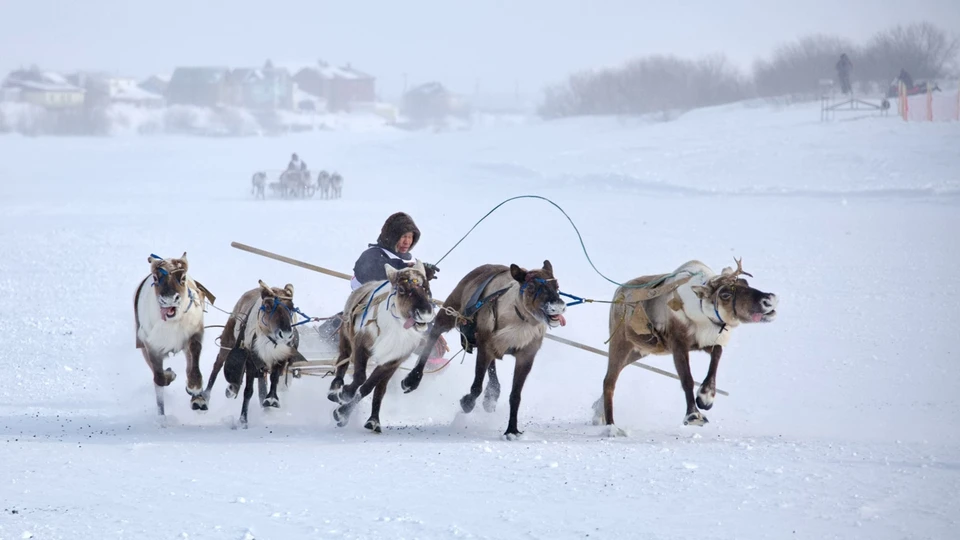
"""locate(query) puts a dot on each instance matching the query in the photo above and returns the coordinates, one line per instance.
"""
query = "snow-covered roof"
(328, 71)
(43, 81)
(134, 93)
(44, 87)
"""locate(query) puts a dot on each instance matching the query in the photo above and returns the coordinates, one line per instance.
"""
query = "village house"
(43, 88)
(199, 86)
(339, 86)
(156, 84)
(267, 88)
(104, 88)
(432, 102)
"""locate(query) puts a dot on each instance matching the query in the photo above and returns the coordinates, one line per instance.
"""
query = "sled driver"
(398, 236)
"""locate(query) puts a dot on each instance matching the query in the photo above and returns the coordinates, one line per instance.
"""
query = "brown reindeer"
(384, 322)
(258, 182)
(259, 338)
(169, 318)
(504, 310)
(691, 309)
(336, 185)
(323, 182)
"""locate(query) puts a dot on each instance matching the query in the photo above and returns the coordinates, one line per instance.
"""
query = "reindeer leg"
(217, 366)
(484, 357)
(382, 372)
(708, 389)
(681, 360)
(233, 368)
(343, 362)
(443, 323)
(247, 394)
(272, 400)
(492, 393)
(361, 355)
(621, 355)
(161, 377)
(522, 369)
(412, 381)
(373, 423)
(262, 388)
(198, 400)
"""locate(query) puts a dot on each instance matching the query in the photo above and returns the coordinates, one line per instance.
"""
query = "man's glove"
(432, 271)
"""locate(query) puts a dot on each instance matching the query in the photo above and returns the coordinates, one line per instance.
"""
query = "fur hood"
(396, 226)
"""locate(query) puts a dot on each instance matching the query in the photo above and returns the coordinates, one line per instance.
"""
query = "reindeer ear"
(151, 259)
(547, 267)
(288, 288)
(420, 268)
(391, 274)
(726, 271)
(518, 273)
(701, 291)
(265, 291)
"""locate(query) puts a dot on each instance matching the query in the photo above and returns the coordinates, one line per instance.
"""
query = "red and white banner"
(933, 106)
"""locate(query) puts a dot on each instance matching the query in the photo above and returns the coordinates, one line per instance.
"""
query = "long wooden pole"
(341, 275)
(294, 262)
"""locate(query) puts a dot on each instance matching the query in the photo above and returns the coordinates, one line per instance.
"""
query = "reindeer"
(383, 322)
(336, 185)
(169, 318)
(323, 181)
(522, 305)
(259, 182)
(259, 338)
(691, 309)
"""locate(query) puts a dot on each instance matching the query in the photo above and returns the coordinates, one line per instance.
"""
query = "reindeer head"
(734, 300)
(540, 293)
(411, 300)
(277, 313)
(169, 284)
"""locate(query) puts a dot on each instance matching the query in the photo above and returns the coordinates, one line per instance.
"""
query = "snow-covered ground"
(841, 420)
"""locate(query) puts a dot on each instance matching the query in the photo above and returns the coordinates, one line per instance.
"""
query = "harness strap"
(716, 311)
(369, 302)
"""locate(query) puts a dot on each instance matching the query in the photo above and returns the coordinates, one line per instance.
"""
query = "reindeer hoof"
(243, 422)
(373, 425)
(342, 415)
(613, 431)
(695, 419)
(345, 397)
(705, 400)
(334, 395)
(467, 403)
(513, 435)
(169, 376)
(198, 403)
(409, 383)
(271, 402)
(232, 391)
(490, 403)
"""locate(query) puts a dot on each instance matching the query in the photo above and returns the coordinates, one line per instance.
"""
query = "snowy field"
(841, 421)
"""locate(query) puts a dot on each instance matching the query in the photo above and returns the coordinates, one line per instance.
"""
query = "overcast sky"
(499, 43)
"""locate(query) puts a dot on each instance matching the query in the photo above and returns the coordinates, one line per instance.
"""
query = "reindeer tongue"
(757, 317)
(167, 312)
(408, 323)
(563, 320)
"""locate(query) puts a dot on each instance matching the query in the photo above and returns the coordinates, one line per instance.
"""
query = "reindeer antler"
(739, 271)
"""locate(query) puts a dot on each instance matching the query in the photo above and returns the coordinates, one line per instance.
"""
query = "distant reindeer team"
(499, 310)
(330, 185)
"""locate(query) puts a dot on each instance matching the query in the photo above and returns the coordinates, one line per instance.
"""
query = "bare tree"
(645, 85)
(923, 49)
(797, 68)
